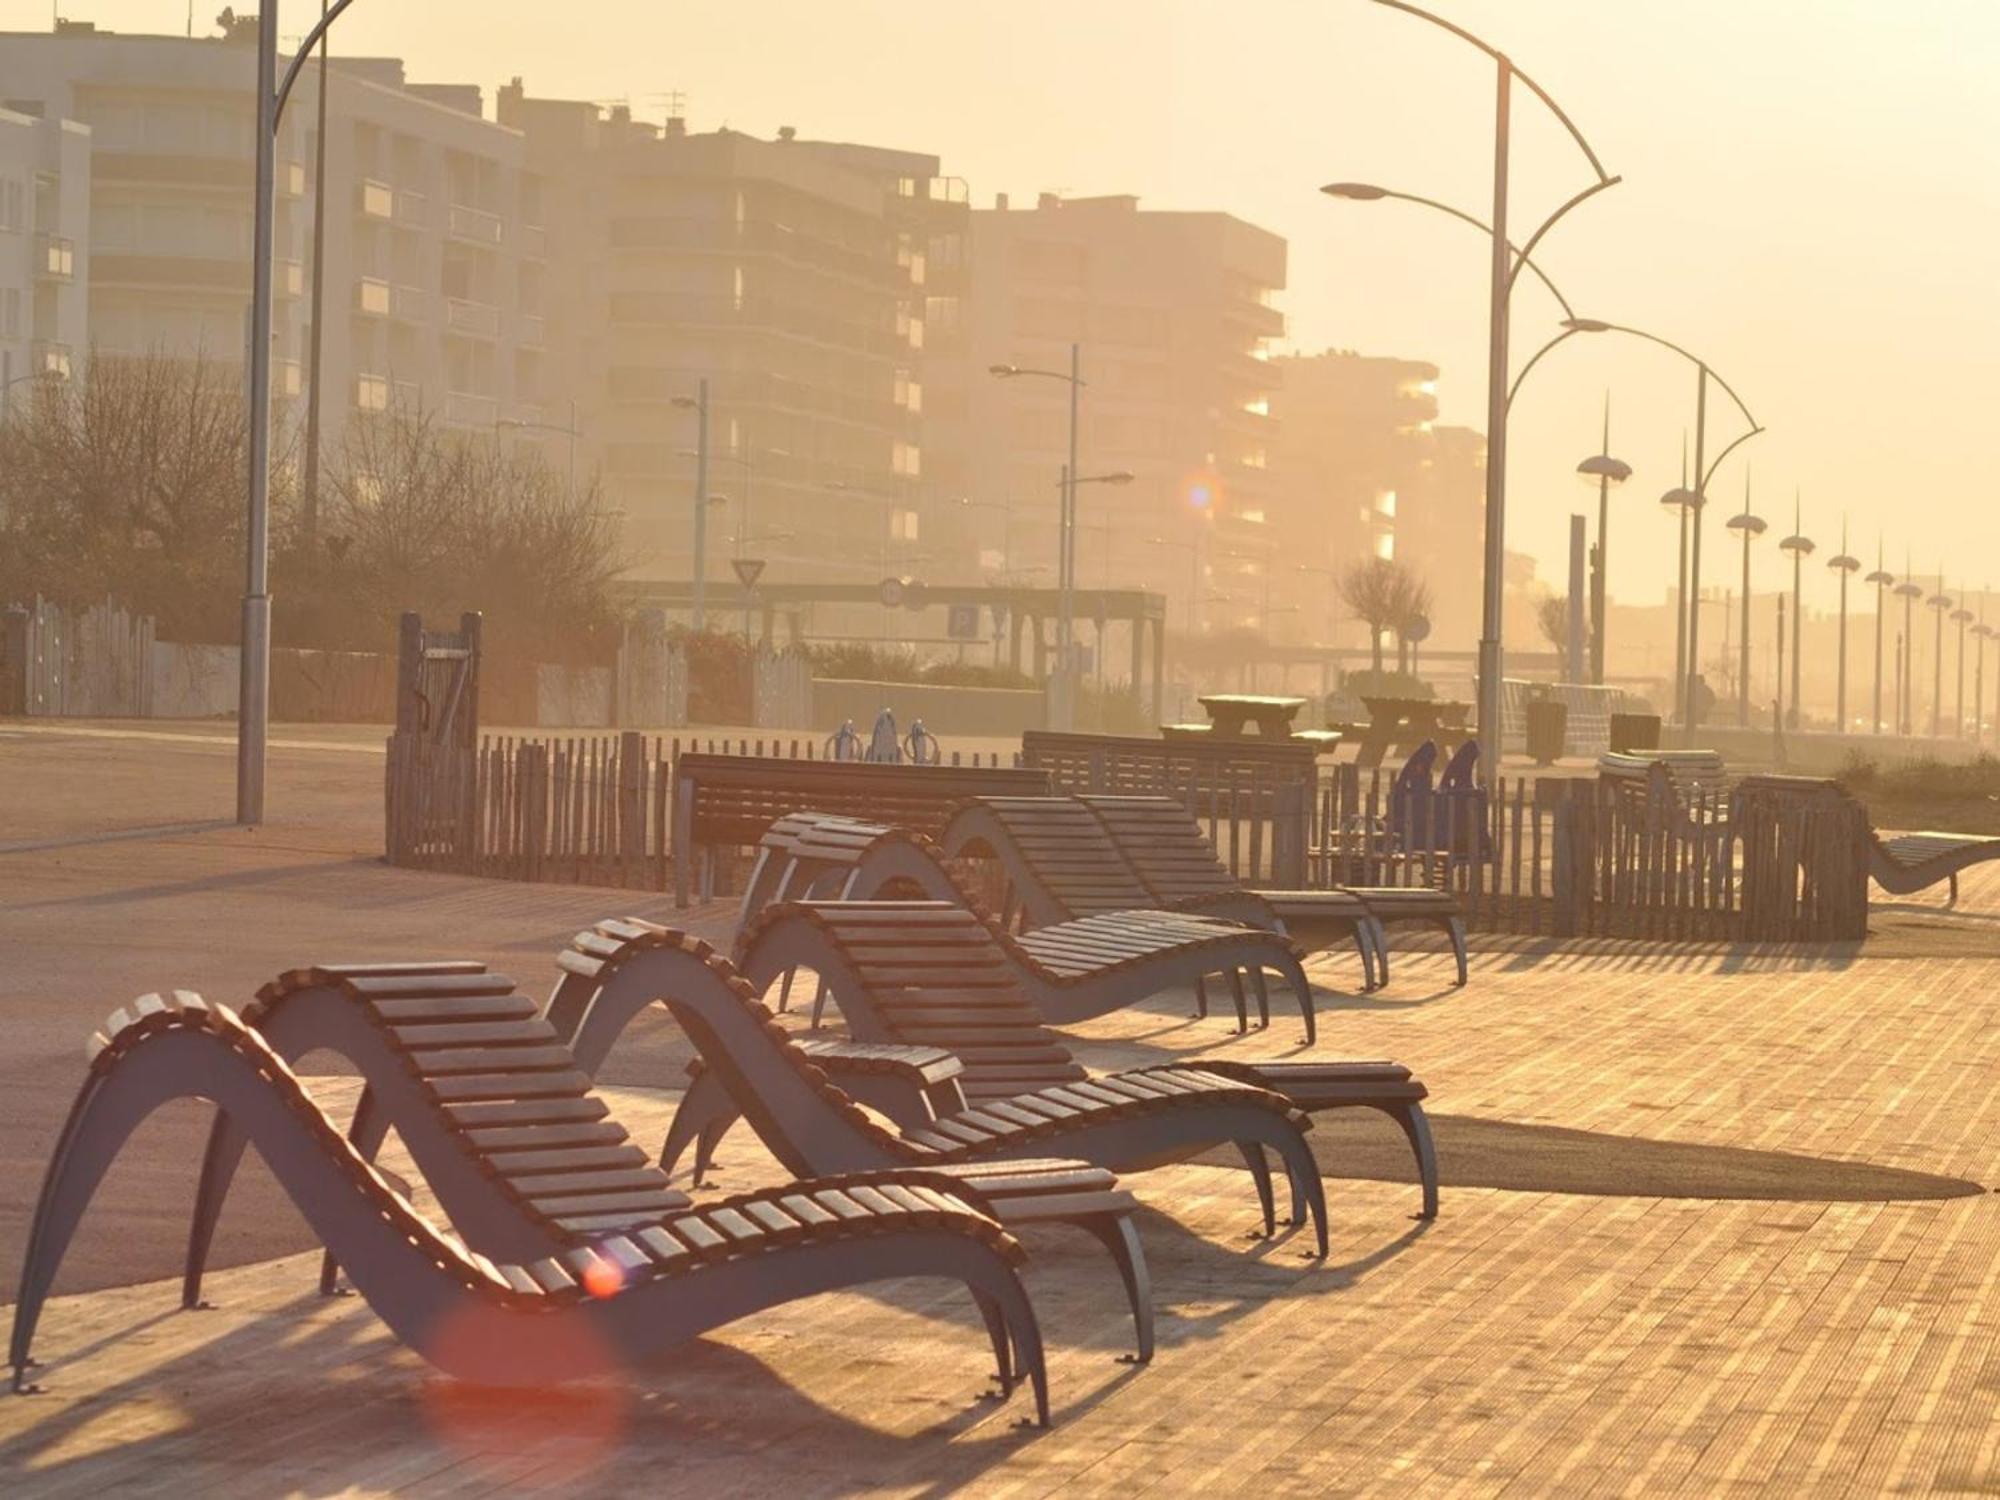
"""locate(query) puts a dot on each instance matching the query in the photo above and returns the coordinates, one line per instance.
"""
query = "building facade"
(434, 246)
(790, 275)
(1172, 313)
(44, 247)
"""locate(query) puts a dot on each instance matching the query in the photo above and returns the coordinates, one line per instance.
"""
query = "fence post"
(1563, 862)
(409, 673)
(631, 804)
(1292, 817)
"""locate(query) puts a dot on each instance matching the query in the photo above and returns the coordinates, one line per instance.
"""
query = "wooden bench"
(728, 801)
(1904, 864)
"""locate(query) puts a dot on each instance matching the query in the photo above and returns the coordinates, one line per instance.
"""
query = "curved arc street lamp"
(1504, 268)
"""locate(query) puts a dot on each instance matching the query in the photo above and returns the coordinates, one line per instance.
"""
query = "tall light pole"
(698, 403)
(1064, 708)
(253, 710)
(309, 517)
(1939, 603)
(1881, 578)
(1847, 566)
(1607, 471)
(1981, 633)
(1750, 527)
(1801, 547)
(1909, 591)
(1960, 617)
(1682, 500)
(1505, 268)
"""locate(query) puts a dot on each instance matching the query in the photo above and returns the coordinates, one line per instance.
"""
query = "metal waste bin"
(1548, 728)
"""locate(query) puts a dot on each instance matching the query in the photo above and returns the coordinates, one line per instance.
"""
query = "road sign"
(748, 570)
(999, 620)
(961, 622)
(892, 591)
(1417, 631)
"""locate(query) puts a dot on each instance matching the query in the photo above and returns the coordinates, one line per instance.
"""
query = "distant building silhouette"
(44, 245)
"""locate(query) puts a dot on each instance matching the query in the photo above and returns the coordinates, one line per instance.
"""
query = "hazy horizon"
(1798, 205)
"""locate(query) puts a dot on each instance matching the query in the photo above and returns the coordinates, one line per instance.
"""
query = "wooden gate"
(437, 681)
(431, 793)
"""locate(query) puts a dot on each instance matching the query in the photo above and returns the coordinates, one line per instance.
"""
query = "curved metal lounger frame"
(1142, 952)
(1901, 876)
(1128, 1137)
(986, 828)
(789, 1103)
(497, 1324)
(323, 1009)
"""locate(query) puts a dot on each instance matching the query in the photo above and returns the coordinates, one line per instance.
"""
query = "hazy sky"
(1810, 196)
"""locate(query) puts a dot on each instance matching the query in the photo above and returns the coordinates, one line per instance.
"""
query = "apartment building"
(434, 247)
(1172, 313)
(792, 276)
(1363, 470)
(44, 247)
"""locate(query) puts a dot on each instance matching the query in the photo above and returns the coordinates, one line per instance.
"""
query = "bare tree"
(1384, 595)
(1552, 617)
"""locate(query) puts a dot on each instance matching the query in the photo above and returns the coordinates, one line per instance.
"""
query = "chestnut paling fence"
(1774, 859)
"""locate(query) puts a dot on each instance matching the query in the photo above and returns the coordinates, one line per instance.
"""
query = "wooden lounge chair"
(1908, 862)
(1071, 970)
(452, 1057)
(932, 975)
(1167, 851)
(595, 1308)
(1139, 1119)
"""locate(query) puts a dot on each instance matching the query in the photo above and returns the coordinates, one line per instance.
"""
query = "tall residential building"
(1363, 471)
(794, 277)
(1171, 312)
(434, 269)
(44, 246)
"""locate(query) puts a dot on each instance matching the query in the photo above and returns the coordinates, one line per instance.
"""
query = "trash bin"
(1635, 732)
(1548, 727)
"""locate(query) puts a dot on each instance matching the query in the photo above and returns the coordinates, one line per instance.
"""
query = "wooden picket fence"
(1778, 859)
(583, 810)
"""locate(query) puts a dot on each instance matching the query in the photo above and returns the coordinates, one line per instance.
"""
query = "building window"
(906, 458)
(12, 203)
(903, 525)
(1385, 503)
(10, 313)
(1385, 546)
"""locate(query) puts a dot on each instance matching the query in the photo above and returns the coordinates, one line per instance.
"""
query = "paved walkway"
(1605, 1337)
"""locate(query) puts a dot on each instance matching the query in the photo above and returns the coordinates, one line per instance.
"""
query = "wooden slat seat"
(564, 1310)
(1906, 863)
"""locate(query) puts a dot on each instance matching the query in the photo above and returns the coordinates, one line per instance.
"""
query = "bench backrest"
(1166, 846)
(1059, 863)
(1113, 763)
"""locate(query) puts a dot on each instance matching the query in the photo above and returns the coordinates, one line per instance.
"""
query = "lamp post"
(1881, 578)
(1847, 565)
(1800, 546)
(253, 712)
(1939, 603)
(54, 377)
(1960, 617)
(1606, 471)
(1066, 525)
(1909, 592)
(1505, 268)
(521, 424)
(1681, 499)
(1750, 527)
(698, 404)
(1981, 633)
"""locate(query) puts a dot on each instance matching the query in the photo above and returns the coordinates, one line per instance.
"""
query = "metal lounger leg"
(1260, 1174)
(705, 1114)
(1263, 993)
(1456, 927)
(1242, 1001)
(1417, 1126)
(1201, 998)
(1122, 1240)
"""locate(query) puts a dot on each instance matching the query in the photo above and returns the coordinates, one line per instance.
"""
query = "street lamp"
(1909, 592)
(253, 711)
(1939, 603)
(746, 460)
(1961, 617)
(1505, 269)
(1704, 472)
(1066, 526)
(1801, 547)
(1750, 527)
(1682, 499)
(521, 424)
(698, 404)
(1606, 471)
(1881, 578)
(1849, 565)
(1981, 633)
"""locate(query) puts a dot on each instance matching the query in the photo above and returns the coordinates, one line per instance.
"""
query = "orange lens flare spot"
(602, 1278)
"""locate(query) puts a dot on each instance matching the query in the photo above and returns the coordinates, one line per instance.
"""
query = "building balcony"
(475, 225)
(372, 296)
(55, 258)
(1267, 322)
(375, 199)
(465, 409)
(292, 179)
(290, 278)
(409, 304)
(46, 357)
(531, 330)
(533, 241)
(413, 210)
(480, 320)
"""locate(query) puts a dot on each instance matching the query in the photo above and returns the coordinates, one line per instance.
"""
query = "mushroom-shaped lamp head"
(1604, 466)
(1909, 591)
(1961, 614)
(1748, 524)
(1939, 601)
(1845, 563)
(1361, 192)
(1803, 545)
(1881, 578)
(1681, 497)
